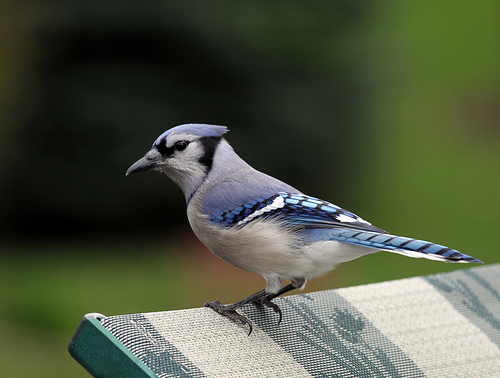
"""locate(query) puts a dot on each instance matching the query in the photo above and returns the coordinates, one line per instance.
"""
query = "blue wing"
(294, 209)
(324, 221)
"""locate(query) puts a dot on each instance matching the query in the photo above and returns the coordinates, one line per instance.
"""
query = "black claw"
(267, 302)
(250, 328)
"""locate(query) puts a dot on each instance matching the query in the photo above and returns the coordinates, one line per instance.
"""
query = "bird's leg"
(283, 290)
(260, 297)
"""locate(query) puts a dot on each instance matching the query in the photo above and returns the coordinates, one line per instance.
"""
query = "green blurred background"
(390, 109)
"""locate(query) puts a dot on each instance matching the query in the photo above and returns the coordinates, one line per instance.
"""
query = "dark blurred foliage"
(108, 77)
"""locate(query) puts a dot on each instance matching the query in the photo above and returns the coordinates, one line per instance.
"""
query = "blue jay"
(262, 225)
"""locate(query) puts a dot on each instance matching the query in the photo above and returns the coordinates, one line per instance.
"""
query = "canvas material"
(433, 326)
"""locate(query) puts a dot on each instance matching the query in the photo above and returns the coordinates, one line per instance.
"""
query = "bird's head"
(184, 153)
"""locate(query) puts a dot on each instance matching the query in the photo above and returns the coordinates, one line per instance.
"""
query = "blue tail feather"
(400, 244)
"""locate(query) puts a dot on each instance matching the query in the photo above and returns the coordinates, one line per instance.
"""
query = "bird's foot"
(261, 297)
(229, 311)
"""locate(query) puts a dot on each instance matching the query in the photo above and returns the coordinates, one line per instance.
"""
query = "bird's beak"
(153, 159)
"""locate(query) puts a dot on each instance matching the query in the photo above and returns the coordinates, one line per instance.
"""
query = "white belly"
(269, 249)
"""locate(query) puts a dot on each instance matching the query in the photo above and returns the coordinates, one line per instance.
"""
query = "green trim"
(98, 351)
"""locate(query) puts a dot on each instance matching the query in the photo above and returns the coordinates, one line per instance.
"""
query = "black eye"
(181, 145)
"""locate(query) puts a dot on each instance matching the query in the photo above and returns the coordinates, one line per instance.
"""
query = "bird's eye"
(181, 145)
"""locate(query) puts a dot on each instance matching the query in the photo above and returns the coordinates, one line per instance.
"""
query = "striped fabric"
(444, 325)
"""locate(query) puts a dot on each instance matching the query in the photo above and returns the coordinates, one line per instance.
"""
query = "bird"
(262, 225)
